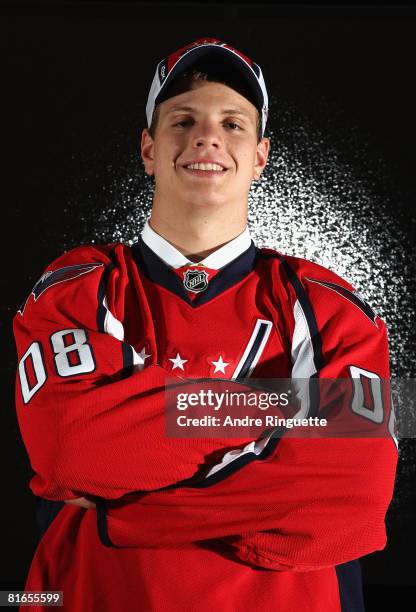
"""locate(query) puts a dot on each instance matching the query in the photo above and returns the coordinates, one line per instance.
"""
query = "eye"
(183, 123)
(235, 127)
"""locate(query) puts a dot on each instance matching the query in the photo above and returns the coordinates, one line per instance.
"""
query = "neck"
(198, 235)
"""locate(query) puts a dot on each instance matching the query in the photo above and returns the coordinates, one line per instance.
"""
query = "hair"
(184, 82)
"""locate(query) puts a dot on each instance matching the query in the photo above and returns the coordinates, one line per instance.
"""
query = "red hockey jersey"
(277, 524)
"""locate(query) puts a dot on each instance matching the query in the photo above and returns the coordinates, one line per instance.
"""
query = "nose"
(206, 134)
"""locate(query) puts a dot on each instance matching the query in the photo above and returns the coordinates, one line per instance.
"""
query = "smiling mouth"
(205, 170)
(206, 167)
(208, 174)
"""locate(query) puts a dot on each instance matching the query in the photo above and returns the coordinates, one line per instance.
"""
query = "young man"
(157, 523)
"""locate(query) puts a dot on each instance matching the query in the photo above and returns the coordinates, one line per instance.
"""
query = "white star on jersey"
(143, 354)
(178, 362)
(220, 365)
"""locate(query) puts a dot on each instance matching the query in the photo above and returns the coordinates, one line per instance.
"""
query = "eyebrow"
(226, 111)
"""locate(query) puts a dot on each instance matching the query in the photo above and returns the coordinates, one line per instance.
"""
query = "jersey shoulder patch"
(312, 273)
(352, 295)
(71, 265)
(53, 277)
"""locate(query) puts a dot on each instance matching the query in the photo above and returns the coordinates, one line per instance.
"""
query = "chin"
(208, 198)
(208, 203)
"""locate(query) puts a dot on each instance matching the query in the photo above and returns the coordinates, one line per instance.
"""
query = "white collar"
(174, 258)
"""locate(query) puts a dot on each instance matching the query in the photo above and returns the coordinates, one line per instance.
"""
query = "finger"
(81, 502)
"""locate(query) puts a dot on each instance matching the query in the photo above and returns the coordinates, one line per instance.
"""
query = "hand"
(82, 502)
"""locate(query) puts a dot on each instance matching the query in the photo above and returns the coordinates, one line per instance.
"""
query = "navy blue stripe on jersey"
(102, 292)
(127, 350)
(350, 586)
(102, 525)
(128, 360)
(348, 295)
(46, 511)
(158, 272)
(318, 359)
(315, 336)
(308, 311)
(259, 335)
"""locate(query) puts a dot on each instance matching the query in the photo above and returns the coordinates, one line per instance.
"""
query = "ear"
(147, 152)
(262, 154)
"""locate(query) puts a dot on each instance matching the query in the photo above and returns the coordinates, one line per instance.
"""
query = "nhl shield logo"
(195, 280)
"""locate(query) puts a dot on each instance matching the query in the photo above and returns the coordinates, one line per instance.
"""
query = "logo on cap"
(195, 280)
(162, 71)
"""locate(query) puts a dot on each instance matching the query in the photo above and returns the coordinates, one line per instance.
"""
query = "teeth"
(205, 167)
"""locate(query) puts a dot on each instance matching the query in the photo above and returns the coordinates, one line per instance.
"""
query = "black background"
(77, 73)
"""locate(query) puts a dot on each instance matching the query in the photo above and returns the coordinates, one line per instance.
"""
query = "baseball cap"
(219, 54)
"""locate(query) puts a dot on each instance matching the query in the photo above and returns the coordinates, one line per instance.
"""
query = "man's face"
(211, 123)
